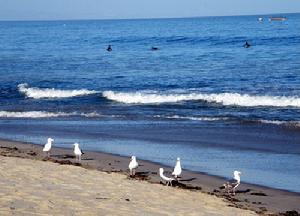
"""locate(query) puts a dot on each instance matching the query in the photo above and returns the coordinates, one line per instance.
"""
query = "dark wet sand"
(263, 200)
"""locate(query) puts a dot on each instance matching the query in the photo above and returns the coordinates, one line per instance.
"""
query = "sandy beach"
(31, 187)
(100, 185)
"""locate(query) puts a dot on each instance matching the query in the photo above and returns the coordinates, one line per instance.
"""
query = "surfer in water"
(154, 48)
(247, 45)
(109, 49)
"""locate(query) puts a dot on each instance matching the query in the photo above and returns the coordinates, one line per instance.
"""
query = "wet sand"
(262, 200)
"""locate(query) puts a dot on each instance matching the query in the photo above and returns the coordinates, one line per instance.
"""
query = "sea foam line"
(43, 114)
(38, 93)
(278, 122)
(227, 99)
(193, 118)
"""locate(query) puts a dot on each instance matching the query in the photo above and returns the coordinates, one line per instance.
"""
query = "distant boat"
(260, 19)
(277, 19)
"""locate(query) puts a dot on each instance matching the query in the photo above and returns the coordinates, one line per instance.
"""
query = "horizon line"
(139, 18)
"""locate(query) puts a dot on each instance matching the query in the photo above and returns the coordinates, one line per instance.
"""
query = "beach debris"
(32, 153)
(102, 198)
(290, 213)
(165, 178)
(9, 148)
(232, 184)
(66, 156)
(48, 145)
(142, 176)
(77, 152)
(133, 165)
(177, 169)
(258, 194)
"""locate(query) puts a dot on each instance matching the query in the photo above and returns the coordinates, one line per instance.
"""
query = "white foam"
(193, 118)
(227, 99)
(43, 114)
(277, 122)
(38, 93)
(31, 114)
(91, 115)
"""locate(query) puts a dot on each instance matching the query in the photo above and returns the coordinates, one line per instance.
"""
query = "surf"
(38, 93)
(226, 99)
(44, 114)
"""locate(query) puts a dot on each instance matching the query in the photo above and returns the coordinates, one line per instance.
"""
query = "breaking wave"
(193, 118)
(227, 99)
(43, 114)
(277, 122)
(38, 93)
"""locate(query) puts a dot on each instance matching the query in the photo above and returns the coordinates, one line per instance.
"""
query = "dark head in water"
(154, 48)
(247, 45)
(109, 48)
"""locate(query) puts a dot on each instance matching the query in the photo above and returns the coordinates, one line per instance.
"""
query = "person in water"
(154, 48)
(247, 45)
(109, 49)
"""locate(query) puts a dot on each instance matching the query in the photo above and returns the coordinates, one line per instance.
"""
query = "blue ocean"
(199, 95)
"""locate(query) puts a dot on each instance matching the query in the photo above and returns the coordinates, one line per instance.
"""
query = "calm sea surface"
(201, 96)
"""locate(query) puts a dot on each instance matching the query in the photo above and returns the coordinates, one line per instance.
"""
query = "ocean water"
(201, 96)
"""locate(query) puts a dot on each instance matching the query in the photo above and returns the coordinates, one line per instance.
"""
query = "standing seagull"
(167, 179)
(77, 152)
(177, 169)
(231, 185)
(133, 164)
(47, 146)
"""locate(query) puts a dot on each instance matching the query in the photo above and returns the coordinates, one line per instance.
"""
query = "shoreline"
(260, 199)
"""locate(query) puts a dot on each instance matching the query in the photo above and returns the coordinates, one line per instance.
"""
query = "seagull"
(232, 184)
(77, 152)
(167, 179)
(47, 146)
(133, 164)
(177, 169)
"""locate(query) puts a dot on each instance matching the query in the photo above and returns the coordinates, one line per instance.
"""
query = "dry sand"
(31, 187)
(260, 199)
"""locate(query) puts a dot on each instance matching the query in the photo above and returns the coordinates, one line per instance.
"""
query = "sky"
(132, 9)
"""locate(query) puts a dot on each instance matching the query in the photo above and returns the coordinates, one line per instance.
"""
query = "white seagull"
(47, 146)
(167, 179)
(177, 169)
(231, 185)
(77, 152)
(133, 164)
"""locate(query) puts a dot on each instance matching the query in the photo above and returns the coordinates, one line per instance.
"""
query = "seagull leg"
(79, 158)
